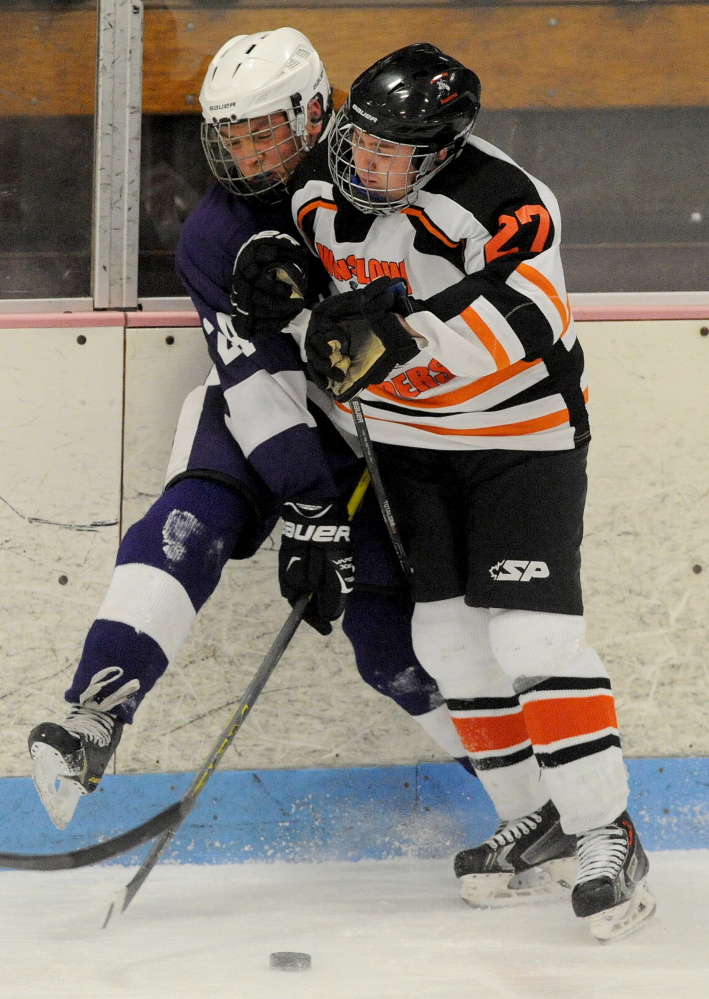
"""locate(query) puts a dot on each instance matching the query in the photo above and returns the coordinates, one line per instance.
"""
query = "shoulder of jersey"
(220, 218)
(217, 214)
(313, 167)
(482, 182)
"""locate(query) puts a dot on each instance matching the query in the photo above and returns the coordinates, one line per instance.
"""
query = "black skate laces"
(601, 852)
(512, 829)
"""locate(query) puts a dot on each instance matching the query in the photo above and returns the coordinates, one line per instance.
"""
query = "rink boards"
(89, 405)
(378, 813)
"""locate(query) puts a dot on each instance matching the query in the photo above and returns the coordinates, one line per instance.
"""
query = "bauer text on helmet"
(265, 100)
(406, 118)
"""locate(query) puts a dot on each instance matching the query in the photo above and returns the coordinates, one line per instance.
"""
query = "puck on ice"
(289, 960)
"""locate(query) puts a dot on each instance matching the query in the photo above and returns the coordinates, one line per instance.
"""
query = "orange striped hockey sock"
(573, 727)
(494, 734)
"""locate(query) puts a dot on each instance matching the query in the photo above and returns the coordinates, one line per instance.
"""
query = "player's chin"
(370, 190)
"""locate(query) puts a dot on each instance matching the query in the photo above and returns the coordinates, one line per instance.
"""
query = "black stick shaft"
(271, 660)
(126, 895)
(365, 442)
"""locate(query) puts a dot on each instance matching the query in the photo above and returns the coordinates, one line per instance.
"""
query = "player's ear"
(314, 120)
(440, 156)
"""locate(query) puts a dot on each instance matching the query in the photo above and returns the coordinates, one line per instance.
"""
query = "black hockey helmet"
(417, 96)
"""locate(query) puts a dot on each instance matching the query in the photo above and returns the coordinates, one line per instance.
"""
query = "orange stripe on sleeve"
(311, 206)
(538, 279)
(493, 732)
(434, 230)
(554, 719)
(485, 335)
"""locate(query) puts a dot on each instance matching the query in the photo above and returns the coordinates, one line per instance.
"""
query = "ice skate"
(70, 758)
(611, 890)
(527, 860)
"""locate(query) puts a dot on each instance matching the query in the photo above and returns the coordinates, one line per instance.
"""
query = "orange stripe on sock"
(567, 717)
(493, 732)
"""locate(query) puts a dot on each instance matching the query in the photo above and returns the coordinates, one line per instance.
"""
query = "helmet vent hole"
(251, 48)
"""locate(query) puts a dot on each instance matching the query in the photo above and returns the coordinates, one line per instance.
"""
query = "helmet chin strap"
(366, 191)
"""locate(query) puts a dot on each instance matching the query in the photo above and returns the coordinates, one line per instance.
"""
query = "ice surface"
(375, 930)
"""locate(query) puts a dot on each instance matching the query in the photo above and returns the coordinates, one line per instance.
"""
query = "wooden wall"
(585, 56)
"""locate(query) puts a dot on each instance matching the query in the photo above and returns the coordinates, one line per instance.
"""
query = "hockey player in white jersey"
(265, 101)
(452, 324)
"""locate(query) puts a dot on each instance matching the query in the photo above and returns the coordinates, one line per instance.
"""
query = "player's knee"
(442, 643)
(533, 645)
(189, 532)
(379, 628)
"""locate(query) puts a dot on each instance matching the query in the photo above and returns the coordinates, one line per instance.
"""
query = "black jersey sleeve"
(514, 280)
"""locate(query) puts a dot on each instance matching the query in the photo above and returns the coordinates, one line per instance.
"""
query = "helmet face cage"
(396, 171)
(225, 139)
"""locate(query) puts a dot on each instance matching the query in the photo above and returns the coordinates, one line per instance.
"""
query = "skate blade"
(622, 920)
(550, 882)
(59, 793)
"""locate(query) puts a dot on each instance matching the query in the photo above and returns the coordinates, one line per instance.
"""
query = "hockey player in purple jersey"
(241, 456)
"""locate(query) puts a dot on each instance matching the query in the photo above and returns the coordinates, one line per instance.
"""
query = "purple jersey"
(263, 384)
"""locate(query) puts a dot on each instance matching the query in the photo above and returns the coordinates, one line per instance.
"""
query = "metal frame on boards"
(116, 204)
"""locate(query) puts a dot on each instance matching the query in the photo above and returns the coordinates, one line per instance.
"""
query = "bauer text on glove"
(315, 558)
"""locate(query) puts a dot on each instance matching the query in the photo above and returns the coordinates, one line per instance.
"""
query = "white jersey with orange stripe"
(500, 365)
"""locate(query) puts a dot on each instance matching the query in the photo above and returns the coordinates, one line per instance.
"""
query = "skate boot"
(610, 889)
(70, 758)
(527, 860)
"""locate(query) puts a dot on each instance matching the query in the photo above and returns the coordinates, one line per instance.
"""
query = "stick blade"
(117, 907)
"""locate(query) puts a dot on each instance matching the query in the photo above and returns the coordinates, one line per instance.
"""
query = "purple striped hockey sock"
(379, 628)
(168, 564)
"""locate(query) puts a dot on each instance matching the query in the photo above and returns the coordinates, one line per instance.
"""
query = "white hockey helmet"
(268, 75)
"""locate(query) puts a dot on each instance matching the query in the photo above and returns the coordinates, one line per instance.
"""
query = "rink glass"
(604, 103)
(47, 83)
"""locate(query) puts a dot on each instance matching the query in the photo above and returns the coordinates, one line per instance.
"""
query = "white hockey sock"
(590, 792)
(569, 712)
(438, 724)
(515, 790)
(452, 643)
(151, 601)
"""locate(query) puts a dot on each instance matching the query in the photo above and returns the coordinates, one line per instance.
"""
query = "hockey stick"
(365, 442)
(99, 851)
(125, 896)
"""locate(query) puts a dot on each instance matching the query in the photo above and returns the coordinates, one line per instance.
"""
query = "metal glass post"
(117, 154)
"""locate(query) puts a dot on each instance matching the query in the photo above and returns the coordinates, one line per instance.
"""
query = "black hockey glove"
(270, 284)
(355, 339)
(315, 558)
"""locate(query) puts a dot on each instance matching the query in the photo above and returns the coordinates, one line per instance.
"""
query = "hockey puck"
(289, 960)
